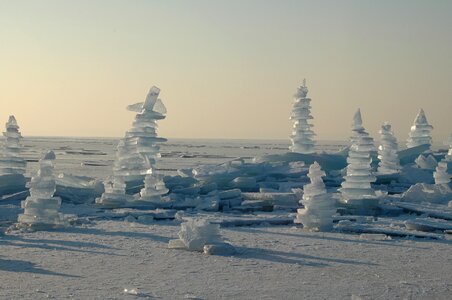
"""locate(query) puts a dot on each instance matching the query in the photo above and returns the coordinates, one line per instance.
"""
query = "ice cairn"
(12, 165)
(41, 207)
(136, 155)
(387, 151)
(420, 133)
(441, 176)
(302, 134)
(201, 235)
(356, 189)
(154, 188)
(114, 195)
(319, 206)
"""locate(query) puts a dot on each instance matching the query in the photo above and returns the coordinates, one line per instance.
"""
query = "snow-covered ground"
(278, 262)
(104, 254)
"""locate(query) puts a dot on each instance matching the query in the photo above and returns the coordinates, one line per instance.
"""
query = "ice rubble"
(12, 165)
(328, 162)
(136, 154)
(441, 176)
(41, 208)
(319, 206)
(387, 151)
(356, 189)
(420, 132)
(201, 235)
(302, 134)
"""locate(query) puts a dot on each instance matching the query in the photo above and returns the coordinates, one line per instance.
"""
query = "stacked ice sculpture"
(138, 150)
(420, 133)
(114, 195)
(302, 134)
(356, 189)
(319, 206)
(441, 176)
(12, 165)
(154, 188)
(387, 151)
(41, 207)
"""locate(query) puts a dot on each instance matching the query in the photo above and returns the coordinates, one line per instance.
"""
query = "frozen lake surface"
(94, 157)
(101, 258)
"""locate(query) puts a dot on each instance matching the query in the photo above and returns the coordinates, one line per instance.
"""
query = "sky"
(226, 69)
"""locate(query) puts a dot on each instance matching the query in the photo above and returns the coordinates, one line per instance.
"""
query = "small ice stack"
(441, 176)
(387, 151)
(319, 206)
(420, 133)
(356, 190)
(115, 194)
(12, 165)
(41, 208)
(154, 189)
(302, 135)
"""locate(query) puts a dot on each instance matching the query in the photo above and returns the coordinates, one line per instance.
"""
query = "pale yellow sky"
(227, 69)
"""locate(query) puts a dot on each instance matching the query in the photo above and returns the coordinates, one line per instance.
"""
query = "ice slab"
(347, 226)
(428, 224)
(78, 189)
(432, 193)
(408, 155)
(12, 183)
(428, 209)
(328, 162)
